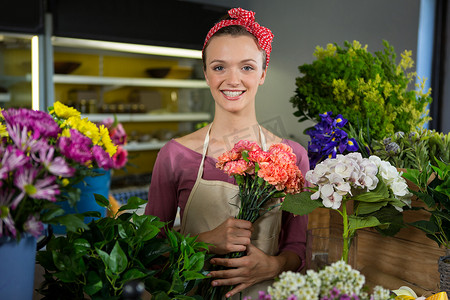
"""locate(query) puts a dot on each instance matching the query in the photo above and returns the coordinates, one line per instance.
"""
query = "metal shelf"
(168, 117)
(125, 81)
(144, 146)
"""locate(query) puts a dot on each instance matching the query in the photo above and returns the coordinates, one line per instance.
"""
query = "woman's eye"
(247, 68)
(218, 68)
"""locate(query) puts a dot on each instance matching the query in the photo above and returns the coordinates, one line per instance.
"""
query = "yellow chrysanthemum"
(106, 142)
(84, 126)
(3, 131)
(65, 112)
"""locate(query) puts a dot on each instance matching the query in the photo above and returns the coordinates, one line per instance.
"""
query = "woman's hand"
(232, 235)
(253, 268)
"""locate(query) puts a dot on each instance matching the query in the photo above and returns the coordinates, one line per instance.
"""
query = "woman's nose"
(233, 77)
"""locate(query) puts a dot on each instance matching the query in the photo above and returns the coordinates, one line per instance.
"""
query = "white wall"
(300, 25)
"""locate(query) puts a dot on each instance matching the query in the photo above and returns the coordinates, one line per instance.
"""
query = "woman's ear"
(263, 77)
(206, 77)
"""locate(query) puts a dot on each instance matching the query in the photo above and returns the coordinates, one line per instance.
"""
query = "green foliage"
(436, 197)
(364, 88)
(414, 150)
(97, 261)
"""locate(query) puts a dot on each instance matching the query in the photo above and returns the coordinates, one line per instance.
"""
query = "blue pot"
(17, 267)
(89, 186)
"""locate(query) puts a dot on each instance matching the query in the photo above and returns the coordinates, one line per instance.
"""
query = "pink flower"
(120, 158)
(77, 147)
(55, 165)
(245, 145)
(6, 221)
(41, 189)
(238, 167)
(227, 157)
(259, 156)
(102, 158)
(33, 226)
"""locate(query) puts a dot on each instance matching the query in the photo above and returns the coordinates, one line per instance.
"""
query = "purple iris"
(327, 139)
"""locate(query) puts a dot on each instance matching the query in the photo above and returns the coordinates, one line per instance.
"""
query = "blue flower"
(327, 139)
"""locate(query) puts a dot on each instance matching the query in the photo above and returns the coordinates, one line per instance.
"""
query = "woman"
(236, 54)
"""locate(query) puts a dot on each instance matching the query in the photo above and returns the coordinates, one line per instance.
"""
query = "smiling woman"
(236, 54)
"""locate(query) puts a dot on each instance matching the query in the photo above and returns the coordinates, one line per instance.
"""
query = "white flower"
(375, 159)
(343, 169)
(388, 172)
(399, 187)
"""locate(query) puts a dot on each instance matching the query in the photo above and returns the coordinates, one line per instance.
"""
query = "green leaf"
(73, 222)
(356, 223)
(104, 256)
(300, 204)
(368, 207)
(66, 276)
(197, 261)
(117, 259)
(133, 203)
(132, 274)
(101, 200)
(192, 275)
(426, 226)
(162, 296)
(94, 283)
(177, 284)
(81, 246)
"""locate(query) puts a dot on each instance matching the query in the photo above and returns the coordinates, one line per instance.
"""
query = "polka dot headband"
(246, 19)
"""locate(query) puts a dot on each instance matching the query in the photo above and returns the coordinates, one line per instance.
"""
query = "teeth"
(232, 93)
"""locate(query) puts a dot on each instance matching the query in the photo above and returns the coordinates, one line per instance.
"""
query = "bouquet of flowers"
(376, 188)
(337, 281)
(261, 176)
(42, 156)
(119, 138)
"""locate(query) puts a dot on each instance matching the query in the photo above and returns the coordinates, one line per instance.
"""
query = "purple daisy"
(33, 226)
(40, 123)
(25, 180)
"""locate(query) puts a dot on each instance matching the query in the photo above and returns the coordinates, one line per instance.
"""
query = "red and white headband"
(246, 19)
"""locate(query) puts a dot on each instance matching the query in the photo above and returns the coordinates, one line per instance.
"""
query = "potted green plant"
(414, 150)
(436, 197)
(372, 91)
(97, 262)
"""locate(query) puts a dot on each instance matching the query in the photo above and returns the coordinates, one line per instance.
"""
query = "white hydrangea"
(348, 174)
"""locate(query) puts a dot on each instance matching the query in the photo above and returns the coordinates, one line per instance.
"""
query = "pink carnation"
(259, 156)
(227, 157)
(238, 167)
(245, 145)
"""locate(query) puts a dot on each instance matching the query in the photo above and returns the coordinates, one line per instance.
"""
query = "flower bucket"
(89, 186)
(17, 267)
(444, 271)
(324, 246)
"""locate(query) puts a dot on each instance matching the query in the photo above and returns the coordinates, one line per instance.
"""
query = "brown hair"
(233, 30)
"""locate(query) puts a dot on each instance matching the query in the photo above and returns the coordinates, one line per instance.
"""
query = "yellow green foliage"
(363, 87)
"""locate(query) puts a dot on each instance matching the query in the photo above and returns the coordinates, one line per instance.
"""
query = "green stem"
(345, 234)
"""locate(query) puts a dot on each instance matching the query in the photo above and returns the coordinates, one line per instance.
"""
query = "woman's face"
(234, 71)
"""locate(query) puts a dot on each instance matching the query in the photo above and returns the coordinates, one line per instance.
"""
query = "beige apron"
(211, 202)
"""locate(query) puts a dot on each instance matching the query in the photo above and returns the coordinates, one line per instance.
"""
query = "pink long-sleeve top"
(174, 176)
